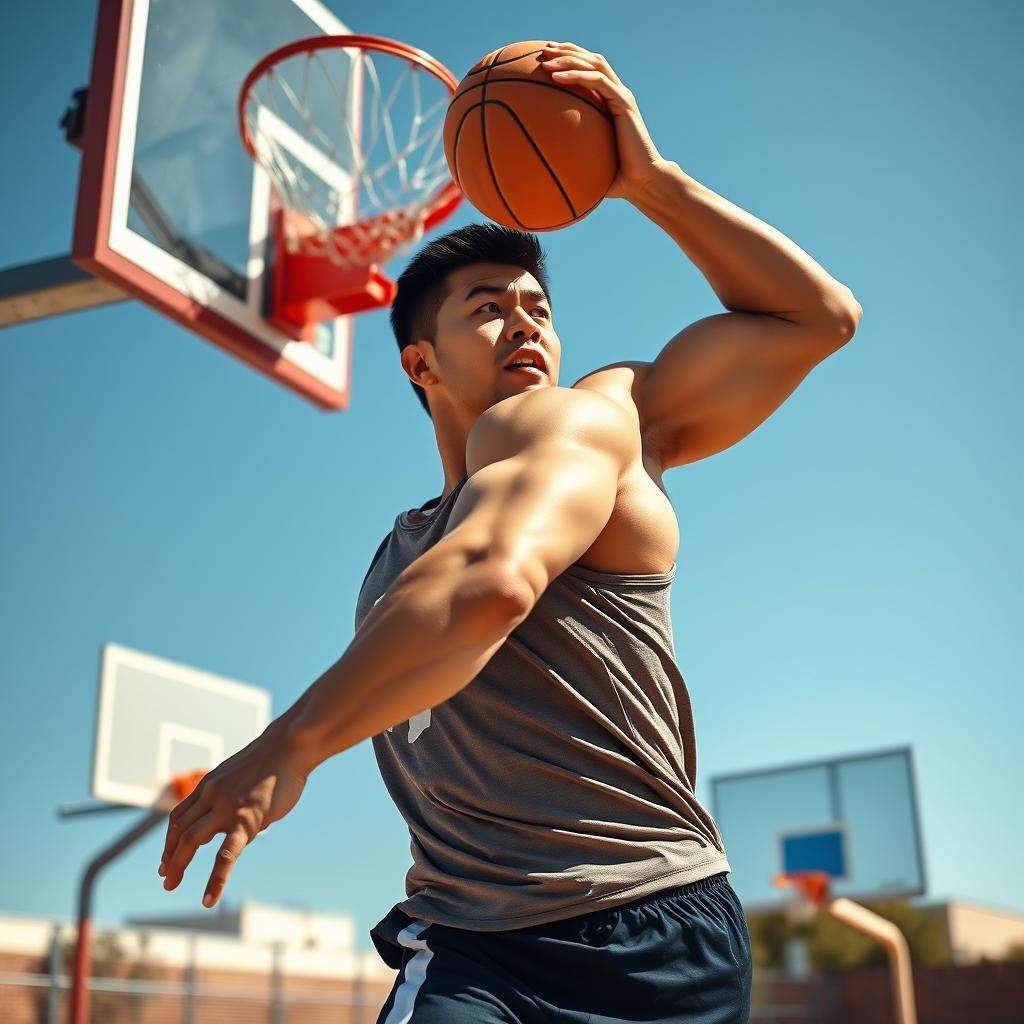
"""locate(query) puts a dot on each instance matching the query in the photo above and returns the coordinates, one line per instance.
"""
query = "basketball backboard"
(824, 848)
(170, 207)
(853, 818)
(157, 719)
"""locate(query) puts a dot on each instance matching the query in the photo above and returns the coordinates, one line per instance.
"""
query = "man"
(563, 868)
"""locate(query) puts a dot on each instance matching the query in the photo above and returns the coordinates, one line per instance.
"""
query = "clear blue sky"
(849, 576)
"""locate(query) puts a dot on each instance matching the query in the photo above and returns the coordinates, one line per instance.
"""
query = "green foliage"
(834, 946)
(768, 936)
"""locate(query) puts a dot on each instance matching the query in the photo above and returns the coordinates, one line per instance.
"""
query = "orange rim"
(183, 785)
(813, 884)
(448, 197)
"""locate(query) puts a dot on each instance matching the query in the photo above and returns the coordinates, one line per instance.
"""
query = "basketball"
(527, 152)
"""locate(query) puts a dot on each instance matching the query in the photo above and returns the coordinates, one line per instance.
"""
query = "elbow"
(493, 598)
(853, 316)
(510, 594)
(850, 315)
(841, 324)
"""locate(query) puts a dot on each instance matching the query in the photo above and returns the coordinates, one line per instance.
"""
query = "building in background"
(259, 964)
(975, 932)
(247, 965)
(971, 932)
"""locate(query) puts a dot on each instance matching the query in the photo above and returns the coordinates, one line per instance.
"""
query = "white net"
(352, 141)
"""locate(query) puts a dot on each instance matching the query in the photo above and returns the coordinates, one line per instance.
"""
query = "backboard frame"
(106, 247)
(146, 792)
(830, 766)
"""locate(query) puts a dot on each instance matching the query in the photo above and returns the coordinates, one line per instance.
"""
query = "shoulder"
(621, 382)
(551, 416)
(624, 383)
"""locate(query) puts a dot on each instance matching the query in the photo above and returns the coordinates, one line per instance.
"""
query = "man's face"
(490, 313)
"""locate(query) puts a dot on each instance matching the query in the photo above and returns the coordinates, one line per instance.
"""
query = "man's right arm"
(544, 473)
(436, 628)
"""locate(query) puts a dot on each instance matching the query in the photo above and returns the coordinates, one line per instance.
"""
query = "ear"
(414, 362)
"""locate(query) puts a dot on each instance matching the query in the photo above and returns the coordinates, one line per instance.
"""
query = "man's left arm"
(719, 378)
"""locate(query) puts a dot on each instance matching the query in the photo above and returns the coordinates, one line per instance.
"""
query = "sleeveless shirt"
(561, 780)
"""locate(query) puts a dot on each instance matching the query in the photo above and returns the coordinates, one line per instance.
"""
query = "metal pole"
(357, 989)
(276, 986)
(83, 946)
(190, 982)
(895, 943)
(53, 998)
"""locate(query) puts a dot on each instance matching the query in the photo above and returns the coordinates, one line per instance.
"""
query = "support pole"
(895, 943)
(191, 981)
(277, 984)
(49, 287)
(56, 969)
(83, 946)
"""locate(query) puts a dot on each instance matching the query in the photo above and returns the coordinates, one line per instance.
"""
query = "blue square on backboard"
(817, 850)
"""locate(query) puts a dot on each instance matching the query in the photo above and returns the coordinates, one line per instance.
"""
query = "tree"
(834, 946)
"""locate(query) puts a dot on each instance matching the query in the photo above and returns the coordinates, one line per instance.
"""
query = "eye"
(497, 308)
(542, 312)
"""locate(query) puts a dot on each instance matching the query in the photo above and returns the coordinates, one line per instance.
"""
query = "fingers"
(584, 59)
(570, 71)
(227, 856)
(184, 814)
(571, 65)
(189, 839)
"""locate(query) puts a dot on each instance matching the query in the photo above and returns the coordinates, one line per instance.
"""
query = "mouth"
(527, 371)
(529, 360)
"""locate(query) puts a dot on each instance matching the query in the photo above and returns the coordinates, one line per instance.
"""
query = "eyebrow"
(493, 289)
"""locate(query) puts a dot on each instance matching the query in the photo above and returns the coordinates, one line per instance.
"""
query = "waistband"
(679, 891)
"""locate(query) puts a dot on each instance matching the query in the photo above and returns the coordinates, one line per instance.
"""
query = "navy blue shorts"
(682, 955)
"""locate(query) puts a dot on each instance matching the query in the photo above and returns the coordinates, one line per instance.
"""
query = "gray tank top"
(561, 780)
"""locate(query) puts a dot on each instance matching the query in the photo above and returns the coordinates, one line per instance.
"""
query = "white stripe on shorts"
(415, 973)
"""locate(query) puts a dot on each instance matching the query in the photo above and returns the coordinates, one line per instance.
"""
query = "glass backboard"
(869, 801)
(157, 719)
(170, 207)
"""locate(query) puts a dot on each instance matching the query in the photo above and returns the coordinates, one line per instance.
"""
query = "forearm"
(751, 266)
(435, 630)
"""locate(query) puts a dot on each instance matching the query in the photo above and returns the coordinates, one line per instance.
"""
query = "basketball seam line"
(529, 138)
(455, 145)
(483, 133)
(546, 85)
(453, 165)
(496, 63)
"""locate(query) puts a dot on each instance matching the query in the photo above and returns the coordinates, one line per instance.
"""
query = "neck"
(451, 431)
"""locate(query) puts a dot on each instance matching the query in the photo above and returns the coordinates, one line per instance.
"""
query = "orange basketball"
(527, 152)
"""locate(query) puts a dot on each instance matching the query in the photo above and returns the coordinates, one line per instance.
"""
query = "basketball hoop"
(348, 129)
(812, 892)
(183, 785)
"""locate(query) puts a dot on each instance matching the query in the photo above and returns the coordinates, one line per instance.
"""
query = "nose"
(521, 326)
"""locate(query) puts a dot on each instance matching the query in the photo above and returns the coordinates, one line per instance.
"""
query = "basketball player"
(513, 659)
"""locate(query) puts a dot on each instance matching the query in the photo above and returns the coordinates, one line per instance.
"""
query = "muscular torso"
(642, 535)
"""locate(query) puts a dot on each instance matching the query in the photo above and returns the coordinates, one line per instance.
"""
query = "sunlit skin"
(613, 434)
(491, 311)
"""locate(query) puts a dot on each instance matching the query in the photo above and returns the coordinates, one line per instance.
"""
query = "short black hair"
(422, 288)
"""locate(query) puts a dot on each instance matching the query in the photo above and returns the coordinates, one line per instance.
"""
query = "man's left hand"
(569, 64)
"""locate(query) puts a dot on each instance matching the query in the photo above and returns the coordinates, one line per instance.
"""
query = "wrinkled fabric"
(561, 779)
(683, 956)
